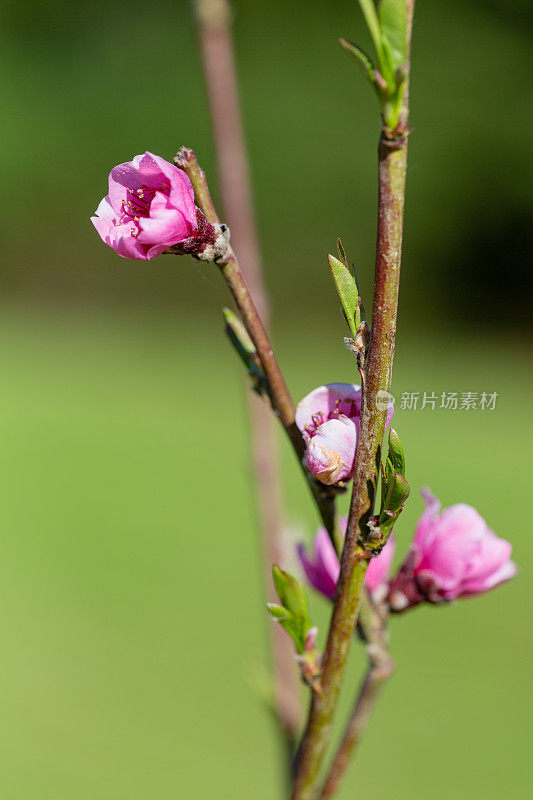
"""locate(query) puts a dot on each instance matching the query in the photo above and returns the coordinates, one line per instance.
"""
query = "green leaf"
(362, 61)
(293, 614)
(393, 23)
(348, 294)
(243, 345)
(290, 592)
(395, 454)
(387, 65)
(385, 477)
(277, 612)
(238, 331)
(398, 491)
(371, 18)
(342, 252)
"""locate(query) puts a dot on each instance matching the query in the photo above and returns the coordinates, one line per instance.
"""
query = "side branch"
(279, 394)
(229, 267)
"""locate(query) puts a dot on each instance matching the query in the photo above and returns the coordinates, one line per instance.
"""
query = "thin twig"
(279, 394)
(392, 155)
(372, 626)
(235, 189)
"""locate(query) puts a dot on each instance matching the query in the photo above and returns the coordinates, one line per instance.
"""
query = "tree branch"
(279, 394)
(392, 164)
(380, 668)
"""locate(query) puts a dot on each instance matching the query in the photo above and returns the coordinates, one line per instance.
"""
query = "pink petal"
(331, 451)
(155, 171)
(165, 225)
(104, 220)
(476, 585)
(122, 178)
(322, 568)
(425, 528)
(490, 566)
(127, 245)
(325, 399)
(326, 555)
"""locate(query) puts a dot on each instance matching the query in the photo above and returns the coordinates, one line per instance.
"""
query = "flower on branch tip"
(150, 210)
(322, 566)
(328, 418)
(454, 554)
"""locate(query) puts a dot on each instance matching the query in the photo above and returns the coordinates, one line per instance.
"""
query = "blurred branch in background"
(214, 18)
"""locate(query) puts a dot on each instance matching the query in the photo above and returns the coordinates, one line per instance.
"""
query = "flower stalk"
(392, 165)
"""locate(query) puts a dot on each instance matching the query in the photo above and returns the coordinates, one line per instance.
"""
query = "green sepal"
(362, 60)
(243, 345)
(293, 614)
(348, 294)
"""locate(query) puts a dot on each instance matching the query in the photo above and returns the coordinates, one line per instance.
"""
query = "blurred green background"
(130, 599)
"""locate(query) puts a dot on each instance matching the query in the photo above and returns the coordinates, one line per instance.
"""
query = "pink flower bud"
(322, 567)
(150, 209)
(331, 450)
(328, 418)
(454, 554)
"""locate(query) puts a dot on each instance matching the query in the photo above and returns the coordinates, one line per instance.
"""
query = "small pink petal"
(322, 567)
(331, 451)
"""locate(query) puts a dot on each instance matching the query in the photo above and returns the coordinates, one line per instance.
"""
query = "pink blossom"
(328, 418)
(322, 567)
(150, 208)
(454, 554)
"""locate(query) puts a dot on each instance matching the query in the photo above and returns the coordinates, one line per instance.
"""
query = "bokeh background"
(130, 598)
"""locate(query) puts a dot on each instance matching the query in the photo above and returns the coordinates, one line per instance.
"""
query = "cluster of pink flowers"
(453, 554)
(150, 210)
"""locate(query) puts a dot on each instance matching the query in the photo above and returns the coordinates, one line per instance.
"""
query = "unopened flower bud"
(328, 419)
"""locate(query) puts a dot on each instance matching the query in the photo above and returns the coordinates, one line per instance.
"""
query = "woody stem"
(392, 164)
